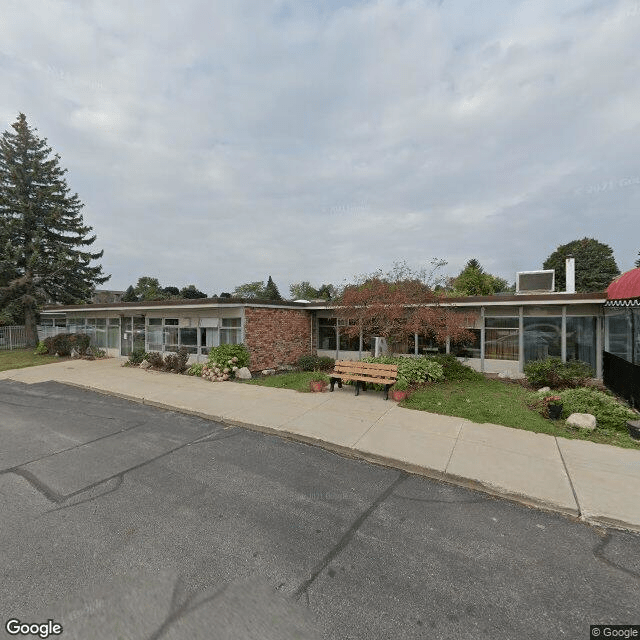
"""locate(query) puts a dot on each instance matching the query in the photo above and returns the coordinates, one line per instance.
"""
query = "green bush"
(230, 357)
(556, 374)
(412, 370)
(137, 356)
(41, 349)
(454, 370)
(315, 363)
(195, 369)
(609, 413)
(401, 385)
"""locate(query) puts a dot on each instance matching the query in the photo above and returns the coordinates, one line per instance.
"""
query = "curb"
(384, 461)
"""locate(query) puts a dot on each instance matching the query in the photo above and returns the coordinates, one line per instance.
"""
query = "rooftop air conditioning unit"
(535, 281)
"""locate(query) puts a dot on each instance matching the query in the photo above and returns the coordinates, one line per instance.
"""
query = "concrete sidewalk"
(597, 483)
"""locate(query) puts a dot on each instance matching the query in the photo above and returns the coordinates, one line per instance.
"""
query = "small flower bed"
(224, 361)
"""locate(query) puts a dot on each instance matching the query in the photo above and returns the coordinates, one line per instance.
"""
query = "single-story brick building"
(509, 331)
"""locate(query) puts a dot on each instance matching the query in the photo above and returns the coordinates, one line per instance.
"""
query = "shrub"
(453, 369)
(41, 349)
(412, 370)
(319, 377)
(609, 413)
(556, 374)
(155, 359)
(60, 344)
(100, 353)
(177, 362)
(80, 342)
(315, 363)
(401, 385)
(48, 343)
(195, 369)
(228, 358)
(137, 356)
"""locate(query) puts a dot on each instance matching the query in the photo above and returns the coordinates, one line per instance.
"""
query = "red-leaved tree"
(399, 304)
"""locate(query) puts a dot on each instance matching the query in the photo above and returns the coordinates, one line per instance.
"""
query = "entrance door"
(132, 334)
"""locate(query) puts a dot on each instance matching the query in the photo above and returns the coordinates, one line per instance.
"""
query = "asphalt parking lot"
(119, 520)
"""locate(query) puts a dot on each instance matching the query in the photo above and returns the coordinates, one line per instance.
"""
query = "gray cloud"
(218, 143)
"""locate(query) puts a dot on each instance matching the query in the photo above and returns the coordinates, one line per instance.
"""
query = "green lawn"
(20, 358)
(502, 403)
(479, 400)
(296, 380)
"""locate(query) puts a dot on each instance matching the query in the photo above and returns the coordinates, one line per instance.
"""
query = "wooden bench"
(363, 373)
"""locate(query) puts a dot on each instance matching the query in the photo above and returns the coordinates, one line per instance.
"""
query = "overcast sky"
(216, 143)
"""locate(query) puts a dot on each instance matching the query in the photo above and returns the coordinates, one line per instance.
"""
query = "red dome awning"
(625, 287)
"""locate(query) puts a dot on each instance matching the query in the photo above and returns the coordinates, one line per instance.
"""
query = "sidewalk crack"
(455, 444)
(353, 446)
(566, 470)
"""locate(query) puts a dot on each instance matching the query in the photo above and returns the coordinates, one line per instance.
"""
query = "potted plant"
(400, 390)
(318, 382)
(554, 407)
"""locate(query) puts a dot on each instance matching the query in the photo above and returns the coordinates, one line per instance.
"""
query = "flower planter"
(555, 411)
(633, 426)
(399, 396)
(317, 386)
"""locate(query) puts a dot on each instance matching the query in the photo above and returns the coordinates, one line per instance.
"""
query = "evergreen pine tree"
(271, 290)
(42, 231)
(130, 295)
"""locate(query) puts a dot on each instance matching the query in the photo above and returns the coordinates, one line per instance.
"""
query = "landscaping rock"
(582, 420)
(545, 390)
(145, 364)
(243, 374)
(511, 375)
(268, 372)
(75, 353)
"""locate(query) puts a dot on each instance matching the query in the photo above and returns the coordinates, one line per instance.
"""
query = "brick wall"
(276, 336)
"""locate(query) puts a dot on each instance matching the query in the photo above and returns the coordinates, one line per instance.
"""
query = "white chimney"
(570, 274)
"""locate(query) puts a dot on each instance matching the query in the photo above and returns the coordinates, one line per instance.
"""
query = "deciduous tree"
(249, 290)
(474, 281)
(398, 304)
(44, 240)
(190, 292)
(596, 267)
(149, 288)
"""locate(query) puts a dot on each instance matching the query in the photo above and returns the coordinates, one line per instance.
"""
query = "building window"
(113, 333)
(581, 339)
(327, 334)
(189, 339)
(501, 338)
(468, 348)
(349, 343)
(542, 338)
(231, 331)
(154, 334)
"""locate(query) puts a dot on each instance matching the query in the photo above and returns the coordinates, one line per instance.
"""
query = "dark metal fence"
(622, 377)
